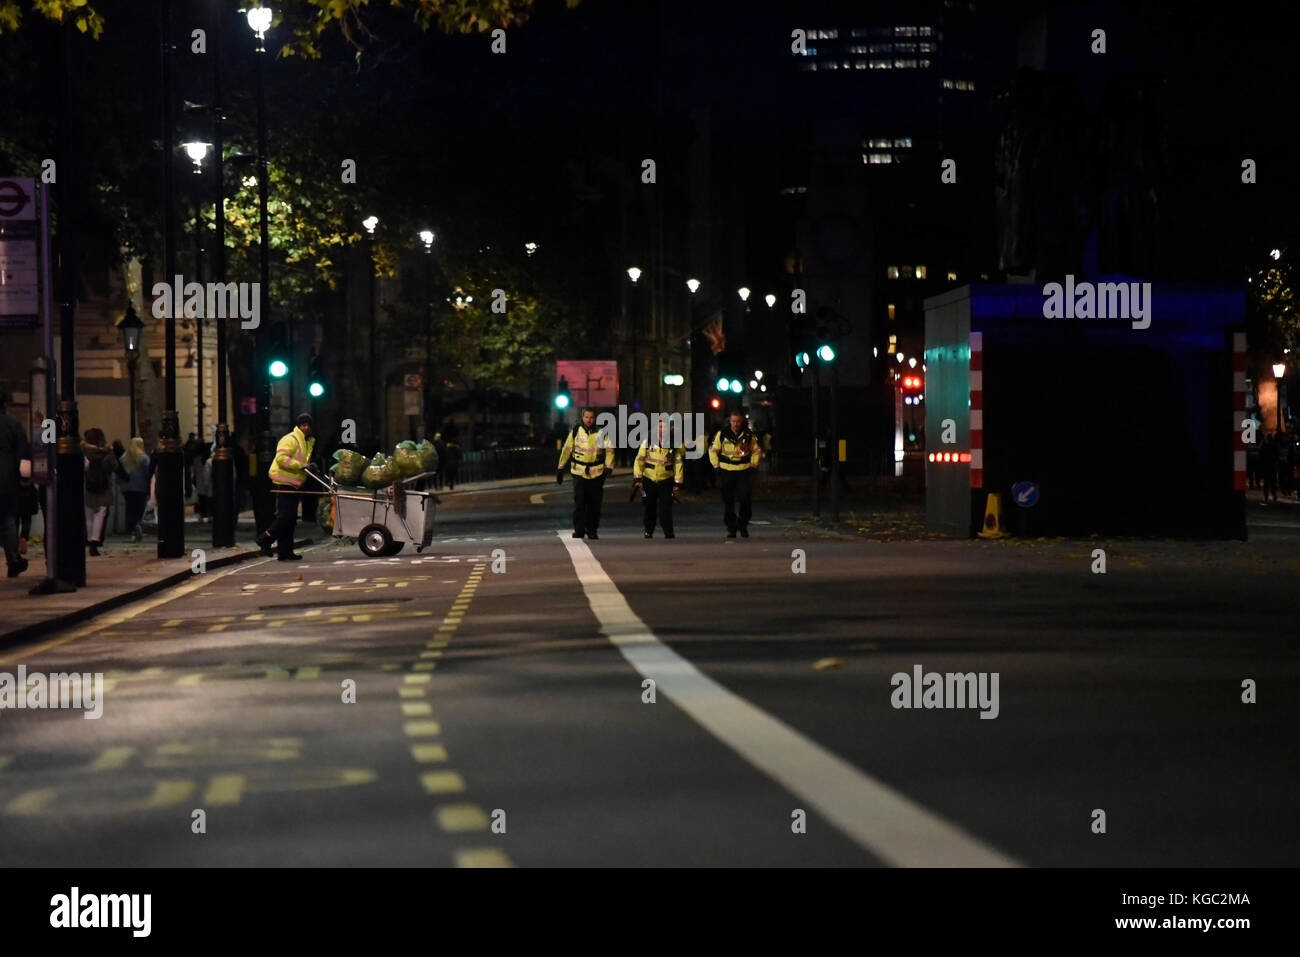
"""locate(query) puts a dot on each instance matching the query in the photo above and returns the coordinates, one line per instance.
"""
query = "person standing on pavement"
(593, 462)
(735, 454)
(100, 465)
(136, 490)
(659, 472)
(287, 473)
(14, 450)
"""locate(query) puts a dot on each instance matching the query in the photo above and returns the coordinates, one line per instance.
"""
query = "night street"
(479, 692)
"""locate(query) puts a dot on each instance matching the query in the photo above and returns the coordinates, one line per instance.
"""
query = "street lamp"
(426, 237)
(693, 285)
(1279, 370)
(770, 300)
(370, 222)
(198, 151)
(743, 292)
(634, 273)
(131, 327)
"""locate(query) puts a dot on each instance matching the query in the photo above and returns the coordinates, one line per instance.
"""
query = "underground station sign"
(18, 266)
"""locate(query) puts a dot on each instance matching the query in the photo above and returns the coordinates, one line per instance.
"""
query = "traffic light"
(315, 378)
(562, 399)
(715, 403)
(826, 352)
(277, 353)
(912, 385)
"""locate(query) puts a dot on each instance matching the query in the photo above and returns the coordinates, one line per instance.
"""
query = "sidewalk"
(126, 571)
(123, 572)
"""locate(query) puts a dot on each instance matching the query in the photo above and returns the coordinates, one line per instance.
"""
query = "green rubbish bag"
(428, 456)
(380, 472)
(348, 466)
(407, 458)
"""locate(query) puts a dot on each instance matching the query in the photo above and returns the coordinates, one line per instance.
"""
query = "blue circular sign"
(1025, 494)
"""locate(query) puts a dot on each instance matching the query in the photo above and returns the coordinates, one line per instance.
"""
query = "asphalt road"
(502, 715)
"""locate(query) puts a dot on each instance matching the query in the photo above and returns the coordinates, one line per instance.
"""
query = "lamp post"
(224, 508)
(426, 237)
(1279, 370)
(370, 222)
(170, 471)
(634, 273)
(198, 152)
(131, 327)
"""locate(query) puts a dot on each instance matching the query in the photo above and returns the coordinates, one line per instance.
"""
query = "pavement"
(513, 696)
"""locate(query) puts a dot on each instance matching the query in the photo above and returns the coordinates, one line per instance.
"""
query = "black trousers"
(587, 495)
(658, 502)
(737, 487)
(286, 518)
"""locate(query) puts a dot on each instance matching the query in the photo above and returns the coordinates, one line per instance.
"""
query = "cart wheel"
(394, 548)
(375, 541)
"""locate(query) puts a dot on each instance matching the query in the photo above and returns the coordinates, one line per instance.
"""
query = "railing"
(486, 465)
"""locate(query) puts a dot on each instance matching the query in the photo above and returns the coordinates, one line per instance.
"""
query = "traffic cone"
(993, 527)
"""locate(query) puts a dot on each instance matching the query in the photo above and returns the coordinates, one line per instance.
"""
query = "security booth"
(1084, 425)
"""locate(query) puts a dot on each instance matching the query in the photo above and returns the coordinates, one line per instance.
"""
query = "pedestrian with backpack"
(100, 464)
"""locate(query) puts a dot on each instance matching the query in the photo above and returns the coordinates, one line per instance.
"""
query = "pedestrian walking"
(659, 472)
(15, 459)
(593, 462)
(440, 447)
(1268, 464)
(288, 472)
(100, 464)
(453, 465)
(135, 491)
(734, 455)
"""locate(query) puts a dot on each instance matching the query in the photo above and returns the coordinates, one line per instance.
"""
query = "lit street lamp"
(743, 292)
(131, 327)
(693, 285)
(370, 222)
(634, 273)
(1279, 370)
(426, 237)
(770, 300)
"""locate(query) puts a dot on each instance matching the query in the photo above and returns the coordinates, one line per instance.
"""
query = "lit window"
(828, 34)
(880, 64)
(926, 47)
(809, 67)
(878, 143)
(809, 51)
(891, 272)
(904, 31)
(857, 33)
(924, 31)
(881, 48)
(947, 84)
(859, 64)
(904, 47)
(830, 65)
(860, 48)
(876, 159)
(890, 307)
(952, 275)
(924, 62)
(905, 64)
(920, 272)
(905, 142)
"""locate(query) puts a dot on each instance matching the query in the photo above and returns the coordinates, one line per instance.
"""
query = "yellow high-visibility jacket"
(291, 457)
(656, 464)
(735, 453)
(585, 448)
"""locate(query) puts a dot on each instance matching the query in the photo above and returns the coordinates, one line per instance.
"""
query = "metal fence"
(486, 465)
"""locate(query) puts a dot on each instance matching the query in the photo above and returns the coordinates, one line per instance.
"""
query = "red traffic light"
(715, 403)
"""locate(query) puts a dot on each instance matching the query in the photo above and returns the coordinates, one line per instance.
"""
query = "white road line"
(879, 819)
(536, 499)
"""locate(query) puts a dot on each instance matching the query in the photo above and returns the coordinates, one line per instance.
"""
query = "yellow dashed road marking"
(442, 782)
(31, 802)
(172, 622)
(213, 628)
(417, 679)
(422, 666)
(429, 654)
(360, 618)
(169, 792)
(225, 789)
(429, 753)
(416, 709)
(307, 672)
(411, 692)
(110, 759)
(458, 818)
(482, 857)
(422, 729)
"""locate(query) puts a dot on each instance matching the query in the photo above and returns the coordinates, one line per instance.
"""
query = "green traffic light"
(315, 390)
(278, 368)
(801, 359)
(826, 354)
(561, 401)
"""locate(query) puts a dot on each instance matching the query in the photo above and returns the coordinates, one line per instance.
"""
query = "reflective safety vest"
(585, 448)
(291, 458)
(656, 464)
(735, 453)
